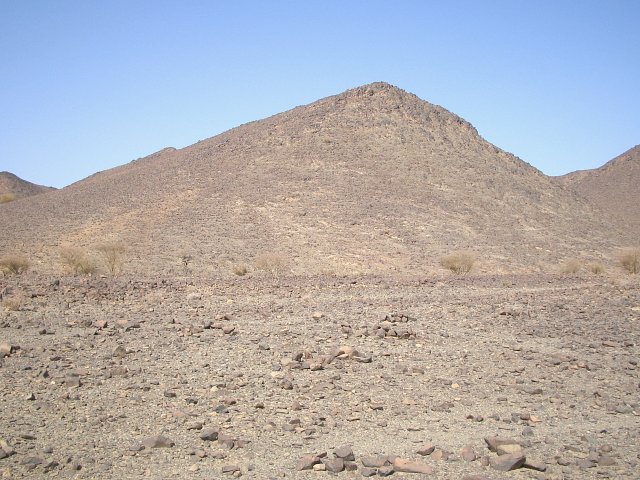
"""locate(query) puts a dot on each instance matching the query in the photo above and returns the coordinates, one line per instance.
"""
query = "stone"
(119, 352)
(5, 349)
(509, 448)
(158, 441)
(494, 442)
(535, 465)
(209, 434)
(468, 454)
(230, 468)
(385, 471)
(307, 462)
(440, 454)
(345, 452)
(426, 449)
(606, 461)
(376, 461)
(411, 466)
(506, 463)
(368, 471)
(334, 465)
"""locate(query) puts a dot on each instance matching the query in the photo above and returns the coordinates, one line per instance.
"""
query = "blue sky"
(88, 85)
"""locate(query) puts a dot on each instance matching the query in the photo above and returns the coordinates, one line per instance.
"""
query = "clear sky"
(86, 85)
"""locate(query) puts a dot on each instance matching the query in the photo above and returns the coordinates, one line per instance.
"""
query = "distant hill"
(371, 180)
(614, 187)
(13, 187)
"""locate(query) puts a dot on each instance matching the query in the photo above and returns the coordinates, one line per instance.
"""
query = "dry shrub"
(240, 269)
(13, 303)
(270, 262)
(13, 265)
(7, 197)
(571, 266)
(596, 268)
(460, 262)
(113, 255)
(76, 259)
(629, 259)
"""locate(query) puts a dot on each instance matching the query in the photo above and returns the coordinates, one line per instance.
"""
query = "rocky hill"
(614, 187)
(13, 187)
(370, 180)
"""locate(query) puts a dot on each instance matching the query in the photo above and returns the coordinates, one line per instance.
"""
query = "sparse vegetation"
(77, 260)
(13, 265)
(270, 262)
(460, 262)
(7, 197)
(13, 303)
(240, 269)
(571, 266)
(113, 256)
(596, 268)
(629, 259)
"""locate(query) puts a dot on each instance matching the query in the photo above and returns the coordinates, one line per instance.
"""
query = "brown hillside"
(371, 180)
(13, 185)
(614, 187)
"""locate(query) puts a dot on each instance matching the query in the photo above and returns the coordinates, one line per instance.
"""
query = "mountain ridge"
(372, 179)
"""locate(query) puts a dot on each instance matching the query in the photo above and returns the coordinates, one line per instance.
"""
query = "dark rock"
(506, 463)
(334, 465)
(307, 462)
(158, 441)
(345, 452)
(209, 434)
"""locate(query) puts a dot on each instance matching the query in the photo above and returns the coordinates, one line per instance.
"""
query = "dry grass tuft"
(113, 256)
(271, 262)
(571, 266)
(596, 268)
(76, 259)
(460, 262)
(13, 303)
(13, 265)
(629, 259)
(240, 270)
(7, 197)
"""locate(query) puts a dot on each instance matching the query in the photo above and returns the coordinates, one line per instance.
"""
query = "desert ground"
(312, 377)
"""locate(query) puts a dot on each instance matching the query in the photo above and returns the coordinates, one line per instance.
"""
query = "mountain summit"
(371, 180)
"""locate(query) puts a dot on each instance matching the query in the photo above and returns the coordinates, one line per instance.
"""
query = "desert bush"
(596, 268)
(460, 262)
(13, 303)
(76, 259)
(629, 259)
(270, 262)
(13, 265)
(240, 269)
(113, 255)
(571, 266)
(7, 197)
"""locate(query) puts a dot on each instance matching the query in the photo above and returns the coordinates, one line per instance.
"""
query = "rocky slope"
(371, 180)
(13, 187)
(614, 187)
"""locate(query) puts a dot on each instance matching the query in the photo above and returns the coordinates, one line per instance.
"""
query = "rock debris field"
(480, 377)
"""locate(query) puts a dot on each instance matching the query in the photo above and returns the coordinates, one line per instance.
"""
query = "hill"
(370, 180)
(13, 187)
(614, 187)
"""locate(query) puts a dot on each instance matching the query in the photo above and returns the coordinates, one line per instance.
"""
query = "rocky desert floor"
(320, 377)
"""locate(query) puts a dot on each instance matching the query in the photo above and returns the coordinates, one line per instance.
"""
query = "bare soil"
(98, 367)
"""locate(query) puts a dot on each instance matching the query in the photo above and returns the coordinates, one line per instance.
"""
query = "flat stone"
(230, 468)
(411, 466)
(426, 449)
(509, 448)
(375, 461)
(534, 465)
(307, 462)
(158, 441)
(506, 463)
(494, 442)
(385, 471)
(209, 434)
